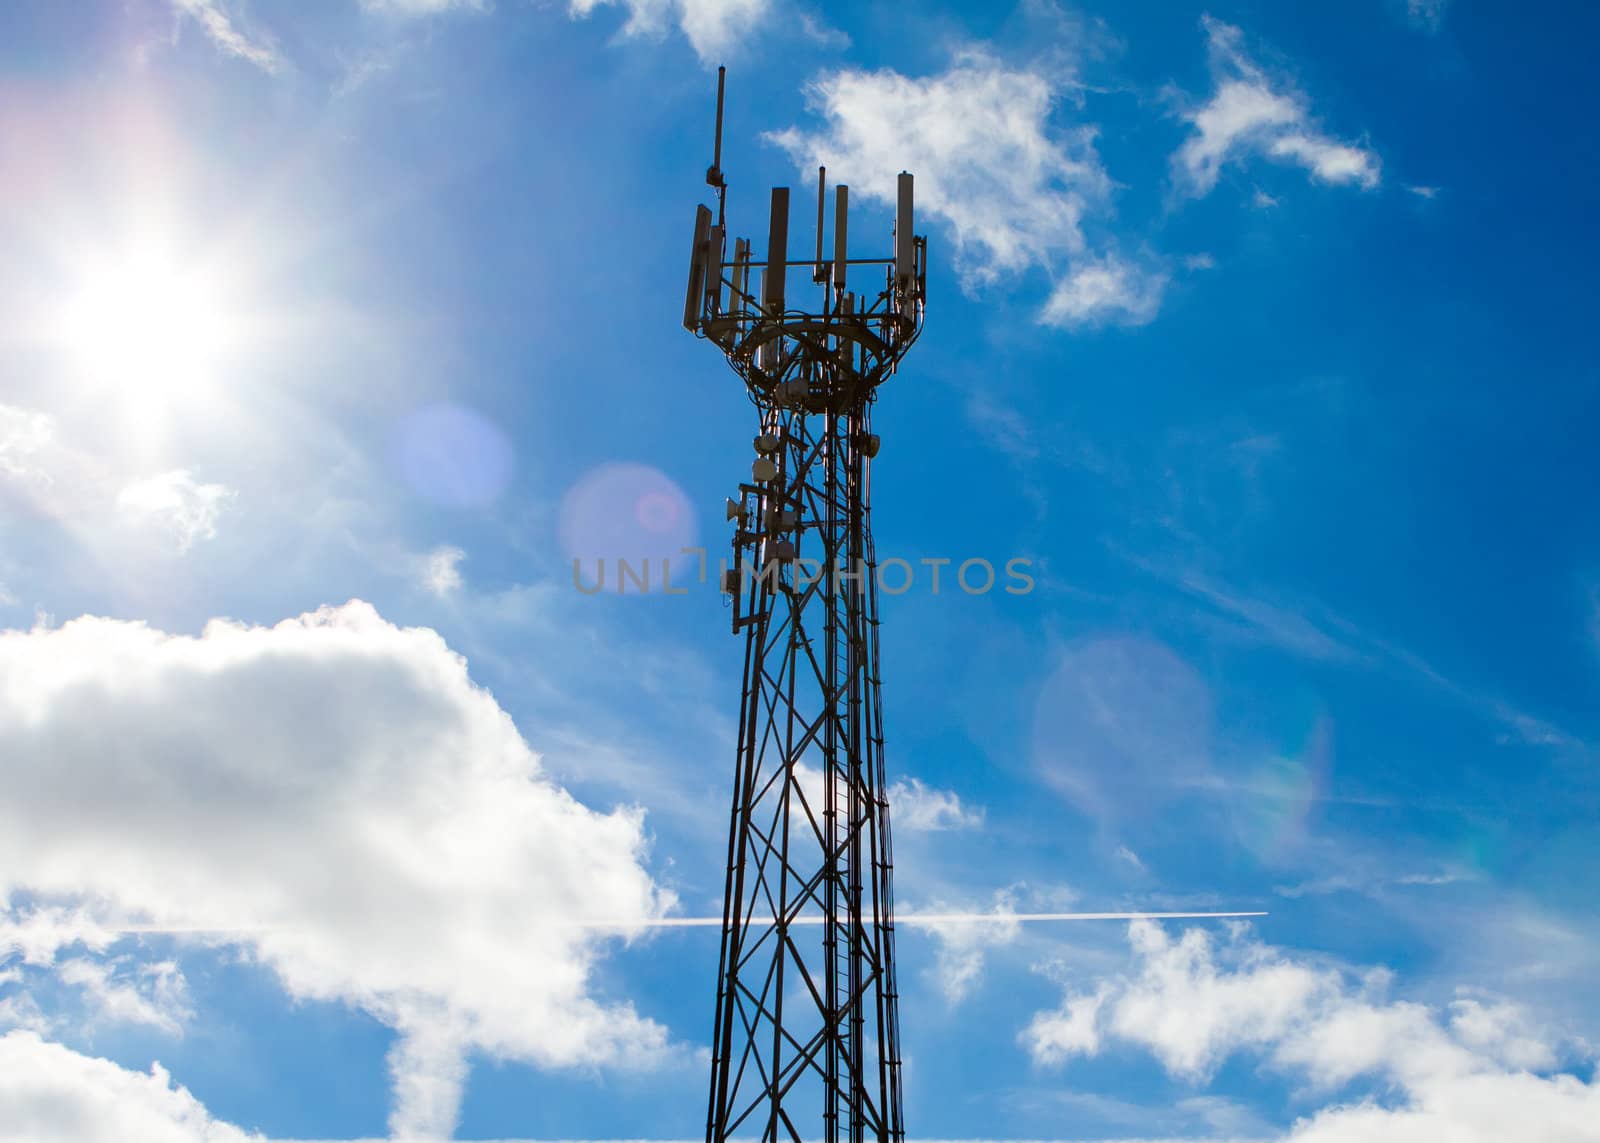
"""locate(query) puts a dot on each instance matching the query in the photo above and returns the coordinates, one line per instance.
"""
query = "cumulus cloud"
(1476, 1072)
(1012, 190)
(1250, 113)
(48, 1091)
(338, 795)
(1073, 1029)
(712, 27)
(214, 20)
(918, 807)
(178, 503)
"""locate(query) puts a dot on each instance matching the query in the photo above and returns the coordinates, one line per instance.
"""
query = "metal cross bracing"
(809, 846)
(806, 1029)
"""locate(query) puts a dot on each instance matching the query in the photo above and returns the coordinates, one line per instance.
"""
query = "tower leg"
(806, 1003)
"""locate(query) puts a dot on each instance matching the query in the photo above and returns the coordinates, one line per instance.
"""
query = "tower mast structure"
(807, 1027)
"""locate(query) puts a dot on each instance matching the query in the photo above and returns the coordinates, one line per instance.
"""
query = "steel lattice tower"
(806, 1017)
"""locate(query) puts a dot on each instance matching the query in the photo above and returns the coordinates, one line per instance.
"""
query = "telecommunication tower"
(806, 1017)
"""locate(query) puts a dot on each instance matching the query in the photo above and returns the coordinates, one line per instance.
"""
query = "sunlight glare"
(148, 326)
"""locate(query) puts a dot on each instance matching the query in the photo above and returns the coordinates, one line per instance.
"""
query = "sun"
(149, 327)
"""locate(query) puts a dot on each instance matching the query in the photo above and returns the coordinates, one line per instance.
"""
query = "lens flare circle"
(628, 512)
(453, 455)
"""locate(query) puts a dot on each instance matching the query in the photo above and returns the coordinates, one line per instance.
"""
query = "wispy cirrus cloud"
(153, 994)
(56, 478)
(214, 19)
(1250, 113)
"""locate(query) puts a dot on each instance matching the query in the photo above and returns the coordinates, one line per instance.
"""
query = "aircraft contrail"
(911, 920)
(915, 919)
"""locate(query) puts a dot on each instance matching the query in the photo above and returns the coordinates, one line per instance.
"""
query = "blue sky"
(331, 333)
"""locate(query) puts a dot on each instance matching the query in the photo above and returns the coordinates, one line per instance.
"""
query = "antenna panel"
(818, 272)
(841, 210)
(741, 274)
(777, 251)
(713, 264)
(904, 254)
(697, 268)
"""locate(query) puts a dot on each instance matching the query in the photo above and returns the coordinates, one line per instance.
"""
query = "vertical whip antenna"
(714, 172)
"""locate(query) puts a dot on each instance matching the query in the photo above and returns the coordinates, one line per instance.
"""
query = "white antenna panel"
(904, 251)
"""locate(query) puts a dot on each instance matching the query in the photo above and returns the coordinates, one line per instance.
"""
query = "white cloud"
(1013, 191)
(1132, 858)
(179, 503)
(74, 485)
(713, 27)
(963, 946)
(49, 1092)
(976, 137)
(1071, 1030)
(1501, 1031)
(1105, 290)
(156, 995)
(38, 932)
(219, 26)
(1469, 1074)
(49, 476)
(440, 570)
(967, 934)
(21, 1010)
(914, 806)
(819, 33)
(337, 794)
(1250, 113)
(1189, 1014)
(27, 442)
